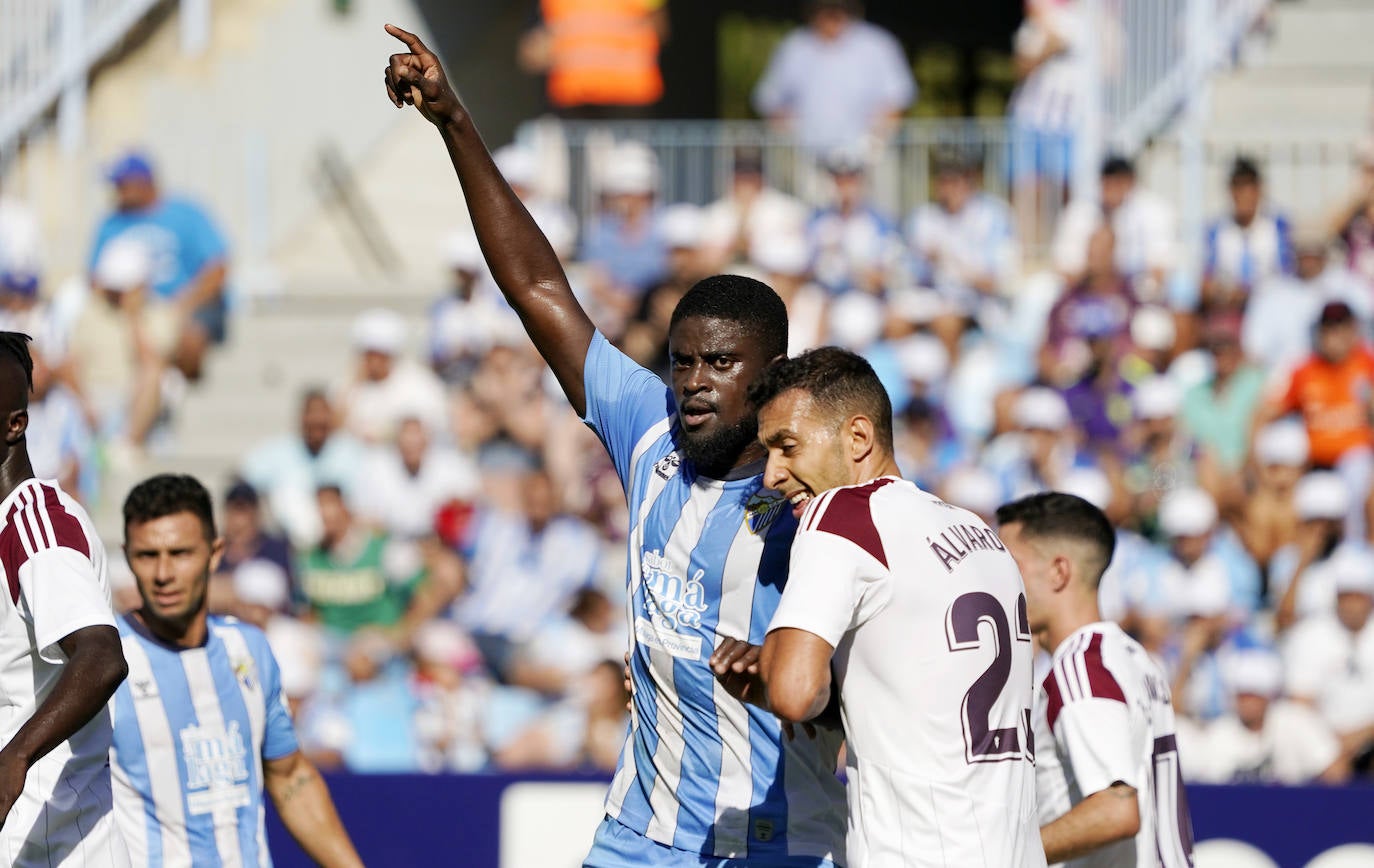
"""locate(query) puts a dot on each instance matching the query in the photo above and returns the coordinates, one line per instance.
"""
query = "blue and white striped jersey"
(191, 731)
(707, 558)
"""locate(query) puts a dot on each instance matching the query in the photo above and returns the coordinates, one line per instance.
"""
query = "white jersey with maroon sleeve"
(1103, 716)
(927, 615)
(54, 573)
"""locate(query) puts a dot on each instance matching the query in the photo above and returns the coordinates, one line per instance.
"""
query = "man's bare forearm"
(1103, 818)
(94, 669)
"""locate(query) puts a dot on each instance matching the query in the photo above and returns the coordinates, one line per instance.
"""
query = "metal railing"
(695, 161)
(47, 51)
(1305, 172)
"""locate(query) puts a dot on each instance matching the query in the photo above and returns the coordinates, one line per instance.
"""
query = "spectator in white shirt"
(1247, 246)
(1142, 222)
(838, 80)
(750, 214)
(288, 469)
(1048, 104)
(854, 245)
(786, 263)
(387, 388)
(1330, 658)
(404, 485)
(1266, 739)
(1283, 311)
(1302, 575)
(964, 244)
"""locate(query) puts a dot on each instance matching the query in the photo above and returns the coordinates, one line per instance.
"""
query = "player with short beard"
(200, 726)
(702, 777)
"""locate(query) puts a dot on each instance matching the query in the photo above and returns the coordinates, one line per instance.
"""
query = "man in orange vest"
(600, 56)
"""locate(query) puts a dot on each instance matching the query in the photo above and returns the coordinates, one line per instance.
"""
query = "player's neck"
(875, 466)
(1070, 620)
(175, 634)
(16, 470)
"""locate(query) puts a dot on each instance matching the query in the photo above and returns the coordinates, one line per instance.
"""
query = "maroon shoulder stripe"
(848, 514)
(1101, 682)
(1054, 699)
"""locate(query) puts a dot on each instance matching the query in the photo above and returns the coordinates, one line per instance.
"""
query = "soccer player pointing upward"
(703, 779)
(922, 613)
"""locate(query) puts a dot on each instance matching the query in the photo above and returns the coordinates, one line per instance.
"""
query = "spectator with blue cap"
(190, 256)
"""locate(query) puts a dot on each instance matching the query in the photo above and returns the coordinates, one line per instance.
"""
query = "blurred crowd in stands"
(437, 549)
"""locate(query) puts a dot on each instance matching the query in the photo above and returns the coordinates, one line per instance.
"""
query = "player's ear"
(1061, 570)
(216, 553)
(862, 437)
(15, 425)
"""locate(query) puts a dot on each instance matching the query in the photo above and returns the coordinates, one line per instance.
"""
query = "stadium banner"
(547, 821)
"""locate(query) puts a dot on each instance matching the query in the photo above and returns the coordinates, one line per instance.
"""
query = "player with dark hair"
(201, 726)
(702, 777)
(1107, 777)
(60, 658)
(919, 609)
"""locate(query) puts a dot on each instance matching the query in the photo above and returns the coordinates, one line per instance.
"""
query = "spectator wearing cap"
(453, 698)
(837, 80)
(1329, 659)
(1153, 335)
(926, 446)
(1218, 411)
(750, 215)
(646, 337)
(1269, 520)
(119, 344)
(1284, 310)
(520, 168)
(1302, 577)
(964, 245)
(386, 387)
(288, 469)
(1157, 454)
(1039, 451)
(1245, 247)
(1266, 739)
(785, 262)
(624, 242)
(189, 257)
(256, 575)
(1201, 542)
(461, 324)
(854, 246)
(1333, 390)
(1141, 221)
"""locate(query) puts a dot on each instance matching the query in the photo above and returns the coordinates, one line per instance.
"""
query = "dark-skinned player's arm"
(520, 258)
(92, 672)
(736, 664)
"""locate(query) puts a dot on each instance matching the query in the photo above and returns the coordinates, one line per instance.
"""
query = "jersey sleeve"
(1095, 735)
(624, 401)
(279, 736)
(52, 578)
(1091, 722)
(837, 574)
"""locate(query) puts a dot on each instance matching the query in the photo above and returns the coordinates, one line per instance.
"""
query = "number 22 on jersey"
(983, 741)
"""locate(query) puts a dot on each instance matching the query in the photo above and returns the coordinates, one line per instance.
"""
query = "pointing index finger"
(410, 39)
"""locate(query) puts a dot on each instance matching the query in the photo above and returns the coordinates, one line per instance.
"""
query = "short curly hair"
(168, 494)
(736, 298)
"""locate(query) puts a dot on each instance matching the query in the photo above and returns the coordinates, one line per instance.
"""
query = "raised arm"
(520, 258)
